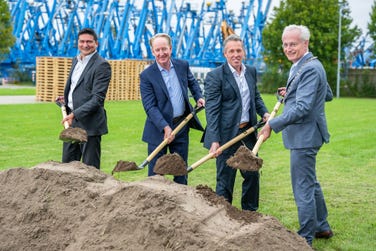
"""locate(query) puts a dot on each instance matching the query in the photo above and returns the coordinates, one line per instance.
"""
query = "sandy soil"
(56, 206)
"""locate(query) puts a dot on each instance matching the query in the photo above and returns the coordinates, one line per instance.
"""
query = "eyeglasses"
(292, 45)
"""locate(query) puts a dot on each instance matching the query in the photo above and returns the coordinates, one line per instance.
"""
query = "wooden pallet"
(52, 74)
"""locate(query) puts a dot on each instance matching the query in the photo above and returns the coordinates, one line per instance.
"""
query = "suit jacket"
(223, 104)
(303, 122)
(157, 103)
(89, 96)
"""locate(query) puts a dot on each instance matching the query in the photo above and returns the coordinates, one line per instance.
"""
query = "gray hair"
(232, 37)
(303, 30)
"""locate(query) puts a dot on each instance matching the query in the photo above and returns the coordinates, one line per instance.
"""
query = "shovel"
(132, 166)
(260, 139)
(70, 134)
(245, 159)
(226, 145)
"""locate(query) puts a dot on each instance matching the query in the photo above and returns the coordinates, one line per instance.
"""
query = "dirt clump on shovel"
(172, 164)
(73, 134)
(123, 166)
(244, 159)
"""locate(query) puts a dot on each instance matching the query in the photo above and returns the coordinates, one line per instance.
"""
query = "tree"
(372, 25)
(321, 17)
(6, 37)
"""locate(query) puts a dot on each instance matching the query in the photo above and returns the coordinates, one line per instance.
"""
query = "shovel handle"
(260, 139)
(64, 112)
(174, 132)
(225, 146)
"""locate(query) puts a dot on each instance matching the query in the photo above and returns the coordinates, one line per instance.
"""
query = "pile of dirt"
(56, 206)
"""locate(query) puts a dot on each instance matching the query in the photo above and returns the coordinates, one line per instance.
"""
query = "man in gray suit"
(84, 94)
(304, 130)
(232, 101)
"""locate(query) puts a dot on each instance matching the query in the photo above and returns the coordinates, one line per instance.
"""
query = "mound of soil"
(56, 206)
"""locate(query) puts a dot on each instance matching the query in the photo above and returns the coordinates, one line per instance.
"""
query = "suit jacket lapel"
(88, 66)
(229, 77)
(178, 74)
(159, 79)
(297, 69)
(249, 79)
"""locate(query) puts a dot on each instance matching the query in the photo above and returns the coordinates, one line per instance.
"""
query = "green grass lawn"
(18, 90)
(346, 166)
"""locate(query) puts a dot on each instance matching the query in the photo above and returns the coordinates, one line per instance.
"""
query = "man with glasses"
(304, 130)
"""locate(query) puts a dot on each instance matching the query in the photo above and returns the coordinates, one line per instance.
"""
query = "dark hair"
(90, 32)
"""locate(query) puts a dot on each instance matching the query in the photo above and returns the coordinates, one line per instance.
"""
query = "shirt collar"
(297, 62)
(163, 69)
(232, 69)
(86, 58)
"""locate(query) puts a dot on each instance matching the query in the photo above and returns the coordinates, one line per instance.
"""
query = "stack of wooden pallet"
(52, 74)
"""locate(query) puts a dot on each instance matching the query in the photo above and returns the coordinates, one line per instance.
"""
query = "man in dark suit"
(232, 101)
(84, 96)
(304, 130)
(164, 91)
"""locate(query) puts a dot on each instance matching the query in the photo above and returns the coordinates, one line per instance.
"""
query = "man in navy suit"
(232, 101)
(304, 130)
(84, 95)
(164, 91)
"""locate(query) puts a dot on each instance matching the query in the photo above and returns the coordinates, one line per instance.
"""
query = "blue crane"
(124, 27)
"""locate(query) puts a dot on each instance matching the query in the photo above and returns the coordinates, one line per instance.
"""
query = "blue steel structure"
(363, 54)
(50, 27)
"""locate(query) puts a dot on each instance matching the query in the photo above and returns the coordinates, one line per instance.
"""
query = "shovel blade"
(124, 166)
(244, 159)
(171, 164)
(73, 135)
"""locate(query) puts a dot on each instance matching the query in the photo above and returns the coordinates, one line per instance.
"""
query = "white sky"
(360, 11)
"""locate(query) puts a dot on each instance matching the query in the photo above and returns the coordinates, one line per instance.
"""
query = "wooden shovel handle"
(260, 139)
(174, 132)
(64, 112)
(224, 146)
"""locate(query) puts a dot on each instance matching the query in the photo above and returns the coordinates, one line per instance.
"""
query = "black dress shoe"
(324, 234)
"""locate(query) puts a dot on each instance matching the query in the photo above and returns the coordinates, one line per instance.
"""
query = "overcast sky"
(360, 10)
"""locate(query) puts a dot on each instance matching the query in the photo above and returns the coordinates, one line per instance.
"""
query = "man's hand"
(265, 131)
(282, 91)
(200, 102)
(167, 134)
(214, 149)
(69, 119)
(265, 117)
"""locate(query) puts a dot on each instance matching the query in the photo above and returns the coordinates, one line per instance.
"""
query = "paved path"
(26, 99)
(20, 99)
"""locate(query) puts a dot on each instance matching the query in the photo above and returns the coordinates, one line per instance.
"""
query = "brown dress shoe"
(324, 234)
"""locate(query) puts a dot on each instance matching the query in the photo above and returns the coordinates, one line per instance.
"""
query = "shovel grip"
(174, 132)
(64, 112)
(200, 161)
(224, 146)
(260, 139)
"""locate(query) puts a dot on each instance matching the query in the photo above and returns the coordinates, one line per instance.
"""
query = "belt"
(177, 119)
(242, 125)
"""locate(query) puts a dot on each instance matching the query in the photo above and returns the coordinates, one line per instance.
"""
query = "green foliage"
(6, 37)
(321, 17)
(359, 83)
(271, 79)
(372, 24)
